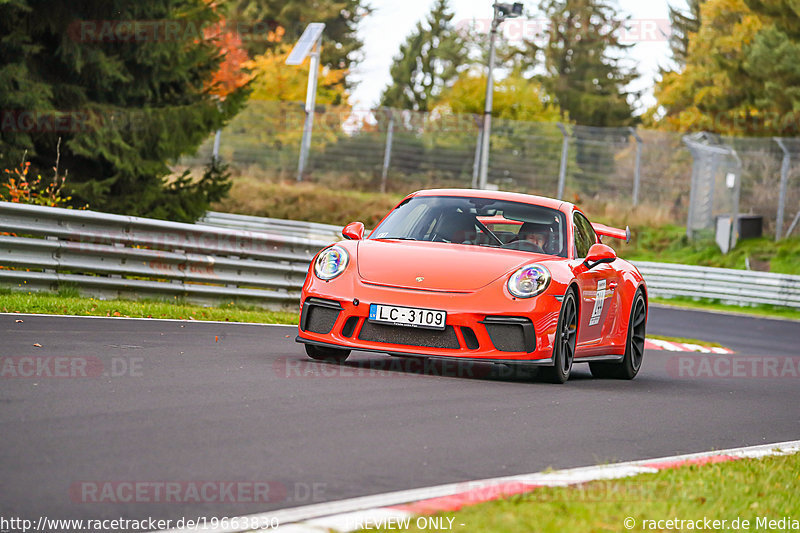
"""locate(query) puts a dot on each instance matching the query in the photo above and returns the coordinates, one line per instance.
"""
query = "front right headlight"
(331, 262)
(529, 281)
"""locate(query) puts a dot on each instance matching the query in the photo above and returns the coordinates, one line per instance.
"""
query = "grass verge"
(764, 311)
(669, 244)
(307, 202)
(755, 490)
(685, 340)
(70, 303)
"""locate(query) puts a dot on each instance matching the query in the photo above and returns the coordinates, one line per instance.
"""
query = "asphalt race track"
(121, 403)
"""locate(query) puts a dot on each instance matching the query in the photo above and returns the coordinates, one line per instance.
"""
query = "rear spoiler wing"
(608, 231)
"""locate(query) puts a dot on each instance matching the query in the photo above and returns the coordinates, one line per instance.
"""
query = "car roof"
(499, 195)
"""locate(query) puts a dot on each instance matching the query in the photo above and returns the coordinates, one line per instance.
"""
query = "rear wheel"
(332, 355)
(634, 349)
(564, 344)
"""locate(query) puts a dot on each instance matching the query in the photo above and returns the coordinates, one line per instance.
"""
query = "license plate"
(407, 316)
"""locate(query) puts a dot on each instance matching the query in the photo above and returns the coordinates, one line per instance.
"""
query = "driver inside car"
(538, 235)
(537, 238)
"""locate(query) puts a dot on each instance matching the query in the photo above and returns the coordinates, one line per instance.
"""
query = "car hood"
(442, 266)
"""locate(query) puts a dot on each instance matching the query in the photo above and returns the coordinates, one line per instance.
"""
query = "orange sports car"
(484, 276)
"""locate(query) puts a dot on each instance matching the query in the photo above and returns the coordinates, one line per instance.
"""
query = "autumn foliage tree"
(274, 80)
(742, 72)
(231, 75)
(265, 20)
(515, 98)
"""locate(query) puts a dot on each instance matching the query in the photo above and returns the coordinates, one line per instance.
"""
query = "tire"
(564, 344)
(331, 355)
(634, 347)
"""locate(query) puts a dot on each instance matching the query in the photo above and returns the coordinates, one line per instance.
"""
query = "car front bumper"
(479, 325)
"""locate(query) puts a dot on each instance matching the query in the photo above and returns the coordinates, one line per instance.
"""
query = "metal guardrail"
(121, 256)
(112, 255)
(294, 228)
(739, 287)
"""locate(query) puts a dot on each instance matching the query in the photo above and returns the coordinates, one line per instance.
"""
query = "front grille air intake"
(319, 315)
(511, 333)
(469, 338)
(429, 338)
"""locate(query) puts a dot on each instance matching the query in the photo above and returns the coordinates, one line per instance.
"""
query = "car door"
(599, 294)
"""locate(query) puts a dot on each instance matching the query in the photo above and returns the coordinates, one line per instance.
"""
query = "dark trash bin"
(751, 226)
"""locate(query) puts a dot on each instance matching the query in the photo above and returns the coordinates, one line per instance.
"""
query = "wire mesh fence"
(401, 151)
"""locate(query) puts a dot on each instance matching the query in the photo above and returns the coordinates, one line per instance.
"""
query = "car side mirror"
(354, 231)
(599, 254)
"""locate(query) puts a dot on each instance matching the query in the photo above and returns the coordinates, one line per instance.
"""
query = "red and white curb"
(658, 344)
(394, 509)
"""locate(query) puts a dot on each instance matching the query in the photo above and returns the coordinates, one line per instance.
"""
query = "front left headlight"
(529, 281)
(331, 262)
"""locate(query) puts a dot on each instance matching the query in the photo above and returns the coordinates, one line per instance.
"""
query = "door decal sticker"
(598, 302)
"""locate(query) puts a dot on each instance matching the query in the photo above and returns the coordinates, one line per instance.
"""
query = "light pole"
(501, 13)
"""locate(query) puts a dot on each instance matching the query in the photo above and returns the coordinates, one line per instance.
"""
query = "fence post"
(737, 190)
(784, 178)
(476, 165)
(637, 171)
(708, 153)
(562, 171)
(692, 184)
(793, 224)
(215, 150)
(387, 154)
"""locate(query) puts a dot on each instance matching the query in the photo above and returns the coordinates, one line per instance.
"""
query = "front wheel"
(564, 344)
(634, 348)
(332, 355)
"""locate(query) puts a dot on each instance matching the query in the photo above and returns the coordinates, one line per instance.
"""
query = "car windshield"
(477, 222)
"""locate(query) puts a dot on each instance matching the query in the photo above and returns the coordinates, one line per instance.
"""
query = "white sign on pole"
(306, 42)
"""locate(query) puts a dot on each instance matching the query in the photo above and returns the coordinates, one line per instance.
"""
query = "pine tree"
(583, 72)
(429, 61)
(683, 23)
(125, 87)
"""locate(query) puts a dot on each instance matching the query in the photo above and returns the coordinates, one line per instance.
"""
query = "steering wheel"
(524, 245)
